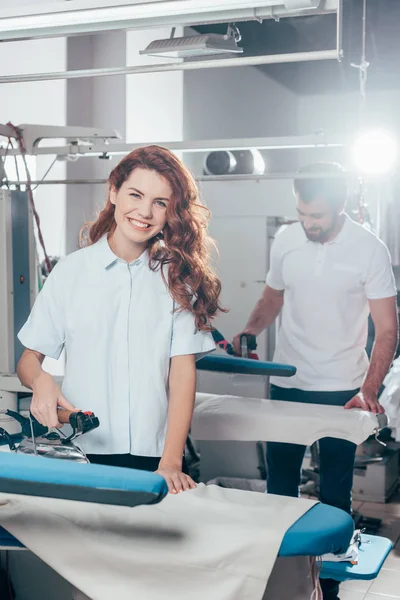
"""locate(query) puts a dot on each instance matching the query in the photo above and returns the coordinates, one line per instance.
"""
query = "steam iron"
(40, 441)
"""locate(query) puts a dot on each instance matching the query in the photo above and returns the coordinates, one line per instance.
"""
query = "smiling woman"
(133, 309)
(153, 198)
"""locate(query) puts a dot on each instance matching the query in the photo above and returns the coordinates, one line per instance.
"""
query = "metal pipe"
(201, 178)
(36, 21)
(106, 10)
(75, 150)
(339, 29)
(292, 57)
(364, 33)
(55, 182)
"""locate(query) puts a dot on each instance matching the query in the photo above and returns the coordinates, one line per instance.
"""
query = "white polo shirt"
(117, 325)
(324, 320)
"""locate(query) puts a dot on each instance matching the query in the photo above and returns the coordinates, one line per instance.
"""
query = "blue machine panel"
(20, 258)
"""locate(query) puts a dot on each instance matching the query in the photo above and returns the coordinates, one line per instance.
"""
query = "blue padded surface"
(372, 554)
(321, 530)
(243, 366)
(38, 476)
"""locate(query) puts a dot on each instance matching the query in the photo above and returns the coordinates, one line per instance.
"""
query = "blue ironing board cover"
(323, 529)
(243, 366)
(38, 476)
(372, 554)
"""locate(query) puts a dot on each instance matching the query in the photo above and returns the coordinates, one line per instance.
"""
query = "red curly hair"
(186, 249)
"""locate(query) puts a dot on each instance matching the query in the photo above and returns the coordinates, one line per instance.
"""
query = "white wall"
(234, 103)
(79, 113)
(340, 112)
(154, 101)
(39, 103)
(93, 102)
(142, 108)
(109, 102)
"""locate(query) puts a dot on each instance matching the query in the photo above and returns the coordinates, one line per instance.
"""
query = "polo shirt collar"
(108, 258)
(339, 237)
(342, 233)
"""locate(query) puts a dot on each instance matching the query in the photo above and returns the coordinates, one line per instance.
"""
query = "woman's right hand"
(47, 397)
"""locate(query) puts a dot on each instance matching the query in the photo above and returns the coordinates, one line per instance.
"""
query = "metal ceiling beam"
(86, 16)
(34, 134)
(200, 179)
(195, 65)
(114, 149)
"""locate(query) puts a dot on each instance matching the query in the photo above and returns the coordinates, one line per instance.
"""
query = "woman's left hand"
(176, 480)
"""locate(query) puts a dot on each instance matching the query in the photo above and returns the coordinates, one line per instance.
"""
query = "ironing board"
(243, 366)
(321, 530)
(325, 529)
(34, 476)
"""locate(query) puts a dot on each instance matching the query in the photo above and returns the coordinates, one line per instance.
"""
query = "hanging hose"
(315, 568)
(20, 141)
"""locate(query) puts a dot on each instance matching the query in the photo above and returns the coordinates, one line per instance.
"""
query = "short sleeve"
(44, 329)
(187, 339)
(274, 275)
(380, 281)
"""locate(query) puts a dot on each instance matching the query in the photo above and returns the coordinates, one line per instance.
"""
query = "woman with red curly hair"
(133, 310)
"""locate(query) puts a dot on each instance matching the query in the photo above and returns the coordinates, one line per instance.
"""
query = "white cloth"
(390, 207)
(350, 555)
(326, 287)
(390, 398)
(118, 326)
(253, 419)
(209, 543)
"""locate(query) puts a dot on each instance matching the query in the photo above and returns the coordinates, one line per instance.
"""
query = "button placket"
(319, 263)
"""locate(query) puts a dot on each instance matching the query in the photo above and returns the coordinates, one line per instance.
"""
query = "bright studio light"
(375, 152)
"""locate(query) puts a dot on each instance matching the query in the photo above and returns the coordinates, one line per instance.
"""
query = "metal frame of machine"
(17, 253)
(89, 141)
(88, 16)
(71, 18)
(18, 287)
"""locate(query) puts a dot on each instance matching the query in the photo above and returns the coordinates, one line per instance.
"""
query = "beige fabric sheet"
(212, 543)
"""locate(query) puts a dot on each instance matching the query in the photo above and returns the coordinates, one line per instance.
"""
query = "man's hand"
(264, 314)
(366, 400)
(176, 480)
(236, 340)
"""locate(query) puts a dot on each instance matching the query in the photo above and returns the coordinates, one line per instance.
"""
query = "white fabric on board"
(209, 543)
(390, 398)
(252, 419)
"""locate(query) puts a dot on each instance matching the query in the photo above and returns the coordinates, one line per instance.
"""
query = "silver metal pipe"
(201, 178)
(38, 182)
(317, 140)
(36, 23)
(292, 57)
(339, 29)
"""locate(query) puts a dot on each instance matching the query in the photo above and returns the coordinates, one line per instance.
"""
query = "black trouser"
(336, 466)
(130, 461)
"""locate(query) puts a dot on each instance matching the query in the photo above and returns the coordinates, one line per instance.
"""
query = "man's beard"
(319, 235)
